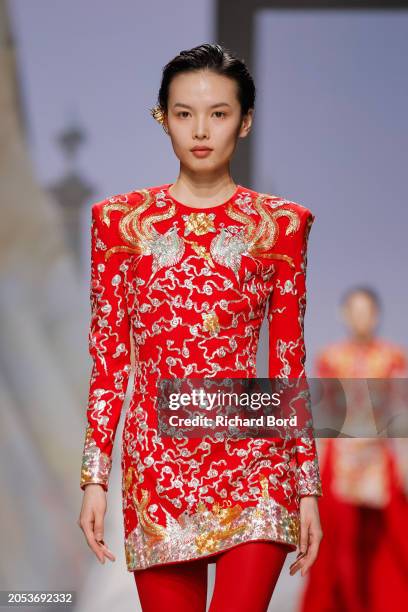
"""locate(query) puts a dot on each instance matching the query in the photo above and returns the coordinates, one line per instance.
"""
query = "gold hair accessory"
(158, 114)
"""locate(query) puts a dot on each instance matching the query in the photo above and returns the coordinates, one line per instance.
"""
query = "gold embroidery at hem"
(192, 536)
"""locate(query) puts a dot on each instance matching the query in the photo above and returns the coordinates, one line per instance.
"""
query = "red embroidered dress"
(187, 290)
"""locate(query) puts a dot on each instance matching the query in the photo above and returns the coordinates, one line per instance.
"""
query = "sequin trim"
(308, 478)
(208, 531)
(96, 465)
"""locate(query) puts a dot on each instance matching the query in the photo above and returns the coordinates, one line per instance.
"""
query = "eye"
(220, 113)
(182, 113)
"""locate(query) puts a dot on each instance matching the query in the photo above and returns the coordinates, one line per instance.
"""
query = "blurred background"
(77, 80)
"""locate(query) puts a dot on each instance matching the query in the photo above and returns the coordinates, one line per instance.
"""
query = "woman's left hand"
(310, 534)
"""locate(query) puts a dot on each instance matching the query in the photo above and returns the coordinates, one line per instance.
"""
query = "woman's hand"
(310, 534)
(91, 520)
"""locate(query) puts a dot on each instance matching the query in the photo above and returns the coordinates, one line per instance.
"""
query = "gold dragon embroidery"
(255, 238)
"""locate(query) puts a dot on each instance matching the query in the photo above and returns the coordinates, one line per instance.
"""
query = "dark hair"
(368, 291)
(212, 57)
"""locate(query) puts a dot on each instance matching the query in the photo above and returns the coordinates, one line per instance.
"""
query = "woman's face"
(203, 110)
(360, 314)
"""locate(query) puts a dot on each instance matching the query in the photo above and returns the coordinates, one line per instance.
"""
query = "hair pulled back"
(212, 57)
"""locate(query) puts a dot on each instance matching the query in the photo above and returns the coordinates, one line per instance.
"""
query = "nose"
(200, 128)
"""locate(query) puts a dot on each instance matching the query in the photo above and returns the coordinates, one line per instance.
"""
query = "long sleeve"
(109, 348)
(286, 312)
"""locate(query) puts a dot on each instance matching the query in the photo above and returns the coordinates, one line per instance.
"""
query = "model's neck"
(363, 339)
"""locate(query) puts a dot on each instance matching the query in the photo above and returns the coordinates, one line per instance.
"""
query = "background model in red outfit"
(364, 481)
(185, 273)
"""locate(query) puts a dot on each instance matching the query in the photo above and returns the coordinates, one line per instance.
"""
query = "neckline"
(367, 344)
(200, 208)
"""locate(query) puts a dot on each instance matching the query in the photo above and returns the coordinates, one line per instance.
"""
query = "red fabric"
(182, 587)
(363, 558)
(188, 289)
(362, 564)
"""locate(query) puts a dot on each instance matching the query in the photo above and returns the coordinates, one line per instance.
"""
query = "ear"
(246, 123)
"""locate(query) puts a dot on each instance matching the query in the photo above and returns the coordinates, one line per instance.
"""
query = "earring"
(158, 115)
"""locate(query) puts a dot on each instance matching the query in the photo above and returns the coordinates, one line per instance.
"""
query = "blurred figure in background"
(363, 559)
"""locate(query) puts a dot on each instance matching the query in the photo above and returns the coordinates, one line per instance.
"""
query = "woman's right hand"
(91, 520)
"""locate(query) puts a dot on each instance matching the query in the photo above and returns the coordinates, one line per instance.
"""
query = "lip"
(201, 152)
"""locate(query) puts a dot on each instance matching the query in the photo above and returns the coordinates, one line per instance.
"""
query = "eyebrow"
(212, 105)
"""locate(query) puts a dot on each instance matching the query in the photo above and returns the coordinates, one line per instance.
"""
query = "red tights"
(245, 579)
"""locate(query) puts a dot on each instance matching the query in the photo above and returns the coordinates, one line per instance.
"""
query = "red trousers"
(245, 578)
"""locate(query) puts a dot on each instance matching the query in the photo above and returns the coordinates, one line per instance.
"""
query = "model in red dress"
(189, 289)
(363, 558)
